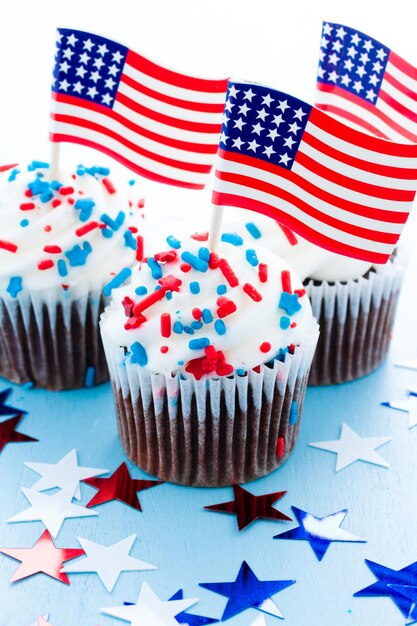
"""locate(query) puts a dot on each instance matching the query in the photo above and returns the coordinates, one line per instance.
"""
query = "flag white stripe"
(287, 185)
(212, 97)
(399, 96)
(328, 231)
(148, 144)
(400, 119)
(406, 80)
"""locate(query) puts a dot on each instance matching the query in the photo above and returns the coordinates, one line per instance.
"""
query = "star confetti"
(63, 474)
(43, 558)
(248, 507)
(384, 585)
(52, 510)
(119, 486)
(247, 591)
(42, 621)
(319, 531)
(352, 447)
(410, 592)
(409, 405)
(108, 562)
(189, 619)
(6, 409)
(150, 610)
(8, 433)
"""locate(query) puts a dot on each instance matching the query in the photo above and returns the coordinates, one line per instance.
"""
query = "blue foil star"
(407, 576)
(320, 532)
(6, 409)
(247, 592)
(189, 619)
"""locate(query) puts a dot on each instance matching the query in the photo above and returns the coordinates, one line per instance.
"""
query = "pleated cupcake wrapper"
(52, 339)
(356, 320)
(210, 432)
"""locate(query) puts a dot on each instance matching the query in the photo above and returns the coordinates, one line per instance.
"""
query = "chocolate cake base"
(50, 348)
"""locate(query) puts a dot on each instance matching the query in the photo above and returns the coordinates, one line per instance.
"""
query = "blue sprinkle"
(221, 290)
(284, 322)
(233, 238)
(39, 187)
(78, 255)
(195, 262)
(28, 385)
(15, 286)
(241, 372)
(141, 291)
(56, 185)
(196, 325)
(173, 242)
(178, 328)
(281, 354)
(85, 206)
(13, 174)
(199, 344)
(37, 165)
(24, 223)
(293, 413)
(188, 330)
(155, 268)
(289, 302)
(93, 171)
(168, 295)
(220, 327)
(62, 268)
(204, 254)
(253, 230)
(117, 280)
(132, 182)
(130, 241)
(180, 362)
(111, 223)
(207, 316)
(90, 376)
(139, 355)
(107, 233)
(195, 287)
(251, 257)
(45, 197)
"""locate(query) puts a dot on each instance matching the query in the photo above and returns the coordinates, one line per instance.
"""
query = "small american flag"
(366, 84)
(341, 189)
(161, 124)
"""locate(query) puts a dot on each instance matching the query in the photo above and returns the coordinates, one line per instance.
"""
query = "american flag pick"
(159, 123)
(342, 189)
(366, 84)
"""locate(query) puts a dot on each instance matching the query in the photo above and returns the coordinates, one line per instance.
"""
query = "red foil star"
(249, 508)
(43, 558)
(119, 486)
(8, 433)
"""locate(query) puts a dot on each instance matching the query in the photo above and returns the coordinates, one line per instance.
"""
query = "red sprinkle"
(265, 346)
(66, 191)
(168, 283)
(263, 272)
(300, 292)
(56, 202)
(8, 245)
(291, 348)
(45, 265)
(109, 185)
(200, 236)
(166, 257)
(196, 313)
(135, 322)
(257, 369)
(141, 203)
(164, 349)
(280, 447)
(214, 261)
(139, 248)
(226, 307)
(228, 273)
(52, 249)
(86, 228)
(252, 292)
(286, 281)
(165, 325)
(128, 305)
(47, 228)
(28, 193)
(64, 286)
(133, 229)
(27, 206)
(185, 267)
(70, 200)
(293, 325)
(213, 361)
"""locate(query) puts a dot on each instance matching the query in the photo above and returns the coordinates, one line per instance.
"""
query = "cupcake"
(209, 356)
(63, 246)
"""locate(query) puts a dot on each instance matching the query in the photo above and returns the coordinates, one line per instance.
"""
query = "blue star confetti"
(6, 409)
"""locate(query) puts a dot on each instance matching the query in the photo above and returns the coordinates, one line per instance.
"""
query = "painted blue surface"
(190, 545)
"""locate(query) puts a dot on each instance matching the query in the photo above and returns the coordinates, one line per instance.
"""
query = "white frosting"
(252, 324)
(108, 255)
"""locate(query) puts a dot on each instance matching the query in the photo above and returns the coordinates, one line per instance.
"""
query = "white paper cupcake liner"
(356, 319)
(212, 432)
(52, 339)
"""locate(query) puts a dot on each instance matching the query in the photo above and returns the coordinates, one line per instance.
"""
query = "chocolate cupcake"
(209, 356)
(61, 243)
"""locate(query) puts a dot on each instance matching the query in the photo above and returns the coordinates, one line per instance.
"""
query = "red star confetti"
(42, 621)
(119, 486)
(248, 507)
(8, 432)
(43, 558)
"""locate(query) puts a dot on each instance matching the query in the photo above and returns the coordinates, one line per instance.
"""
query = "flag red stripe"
(225, 199)
(402, 65)
(204, 107)
(400, 86)
(196, 127)
(375, 168)
(350, 117)
(353, 136)
(177, 79)
(397, 106)
(83, 123)
(58, 137)
(277, 192)
(168, 141)
(397, 217)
